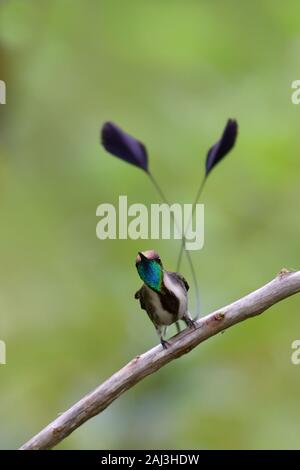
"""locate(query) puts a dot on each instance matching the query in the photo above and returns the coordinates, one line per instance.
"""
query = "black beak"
(143, 257)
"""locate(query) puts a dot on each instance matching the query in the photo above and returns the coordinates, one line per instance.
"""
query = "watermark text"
(161, 221)
(295, 97)
(2, 352)
(2, 92)
(295, 357)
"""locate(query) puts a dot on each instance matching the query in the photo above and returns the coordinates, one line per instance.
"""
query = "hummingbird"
(163, 294)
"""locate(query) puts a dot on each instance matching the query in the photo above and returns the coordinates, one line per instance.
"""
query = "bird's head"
(150, 269)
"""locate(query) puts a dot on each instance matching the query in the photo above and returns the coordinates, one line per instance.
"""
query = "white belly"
(165, 317)
(179, 292)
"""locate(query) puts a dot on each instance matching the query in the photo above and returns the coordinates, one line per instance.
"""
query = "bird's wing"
(140, 295)
(137, 294)
(180, 279)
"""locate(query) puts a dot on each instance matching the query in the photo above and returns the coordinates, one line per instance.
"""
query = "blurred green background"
(170, 73)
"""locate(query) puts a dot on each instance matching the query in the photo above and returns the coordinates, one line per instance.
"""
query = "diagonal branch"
(284, 285)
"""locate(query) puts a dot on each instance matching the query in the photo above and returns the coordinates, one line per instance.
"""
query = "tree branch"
(284, 285)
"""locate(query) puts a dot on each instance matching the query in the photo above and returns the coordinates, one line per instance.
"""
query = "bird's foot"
(190, 323)
(165, 344)
(178, 327)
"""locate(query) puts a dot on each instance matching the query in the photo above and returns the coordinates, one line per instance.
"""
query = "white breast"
(165, 317)
(179, 291)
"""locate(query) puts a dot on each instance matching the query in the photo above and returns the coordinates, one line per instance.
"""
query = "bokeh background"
(170, 73)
